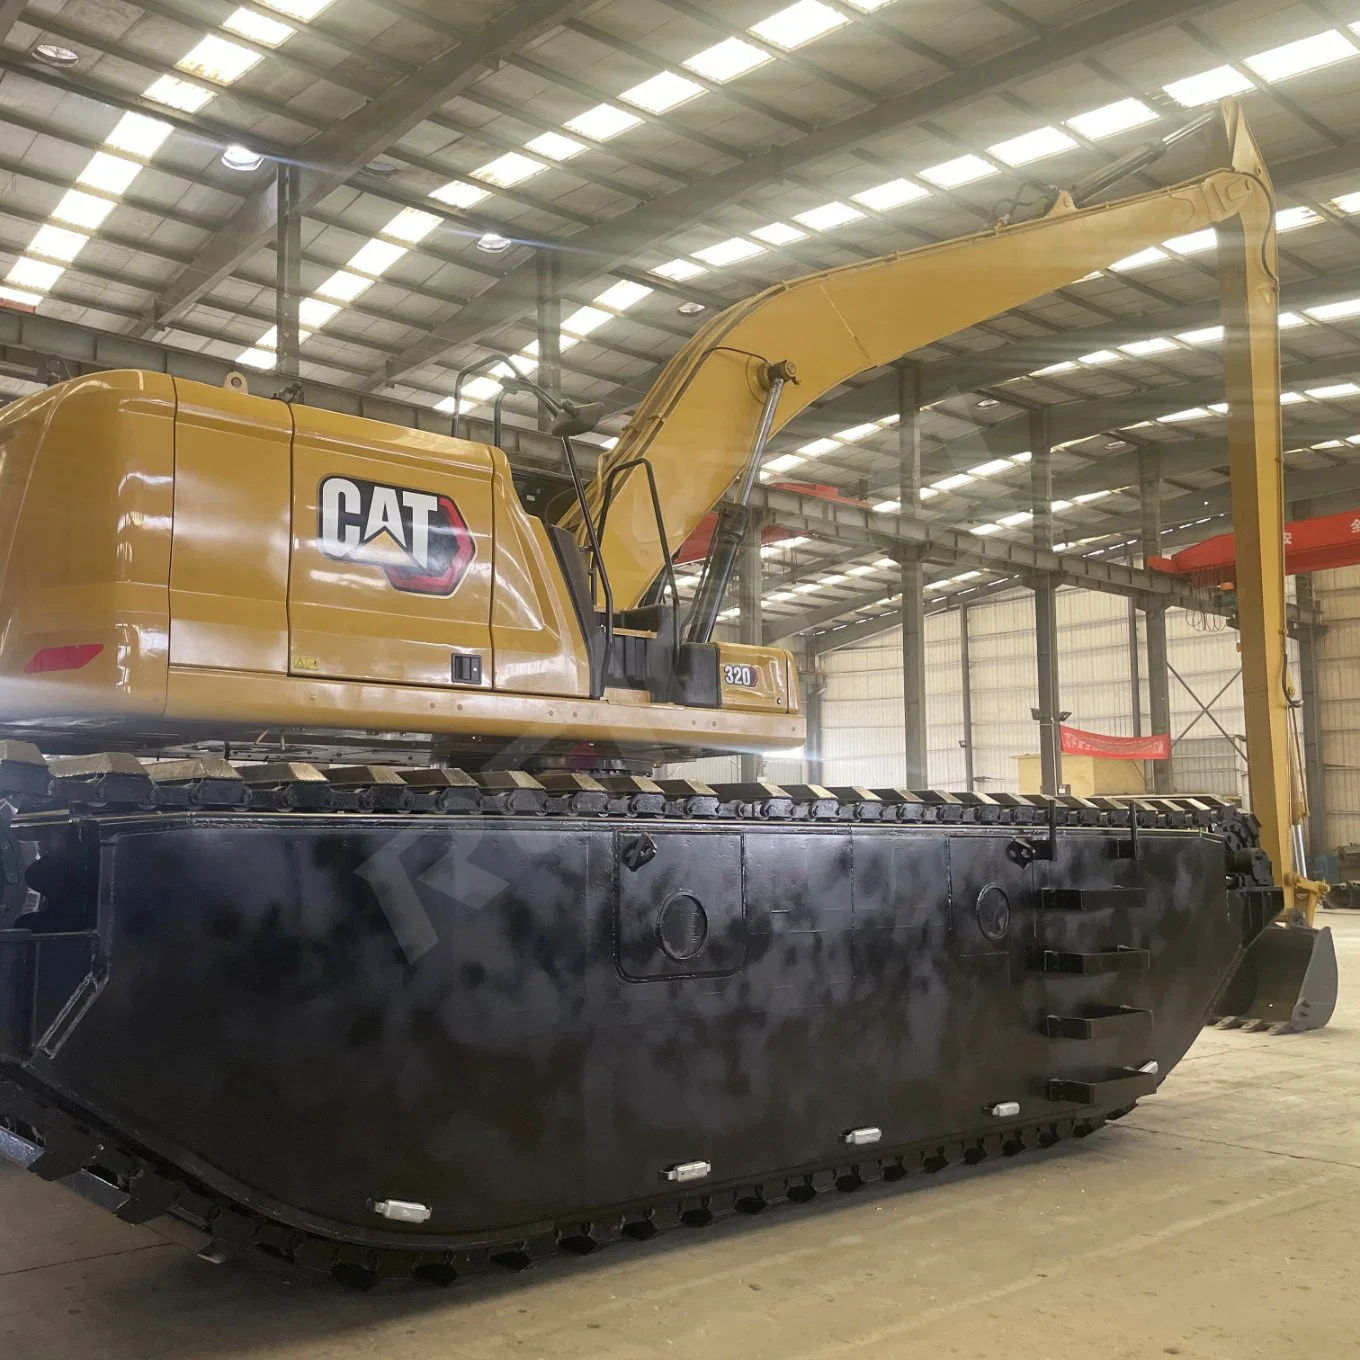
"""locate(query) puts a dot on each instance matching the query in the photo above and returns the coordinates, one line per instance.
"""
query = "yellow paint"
(178, 527)
(697, 423)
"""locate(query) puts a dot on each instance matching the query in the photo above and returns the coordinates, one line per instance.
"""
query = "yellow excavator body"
(182, 561)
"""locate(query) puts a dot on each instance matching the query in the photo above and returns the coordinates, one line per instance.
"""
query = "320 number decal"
(747, 677)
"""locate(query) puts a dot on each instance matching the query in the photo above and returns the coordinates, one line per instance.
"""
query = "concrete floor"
(1220, 1222)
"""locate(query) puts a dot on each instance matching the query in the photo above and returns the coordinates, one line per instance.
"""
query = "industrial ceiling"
(666, 158)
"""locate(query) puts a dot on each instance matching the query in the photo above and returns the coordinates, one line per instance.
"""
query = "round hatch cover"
(993, 912)
(682, 926)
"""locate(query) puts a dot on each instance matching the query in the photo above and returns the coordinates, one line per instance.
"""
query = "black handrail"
(645, 464)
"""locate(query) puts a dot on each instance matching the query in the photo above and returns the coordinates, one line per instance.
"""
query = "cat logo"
(419, 539)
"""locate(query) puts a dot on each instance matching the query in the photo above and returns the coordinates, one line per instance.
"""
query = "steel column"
(288, 271)
(1159, 681)
(1314, 755)
(549, 374)
(814, 687)
(912, 582)
(1045, 603)
(750, 571)
(966, 690)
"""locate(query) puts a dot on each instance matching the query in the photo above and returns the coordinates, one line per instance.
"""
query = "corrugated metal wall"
(862, 710)
(1338, 592)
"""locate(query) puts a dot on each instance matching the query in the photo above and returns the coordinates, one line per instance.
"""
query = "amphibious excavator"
(403, 1016)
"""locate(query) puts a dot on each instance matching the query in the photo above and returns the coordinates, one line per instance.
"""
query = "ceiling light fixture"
(691, 308)
(242, 158)
(55, 55)
(493, 243)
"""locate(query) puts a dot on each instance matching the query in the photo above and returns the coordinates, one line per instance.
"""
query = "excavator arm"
(697, 424)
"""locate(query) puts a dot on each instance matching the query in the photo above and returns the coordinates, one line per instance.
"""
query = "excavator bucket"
(1286, 982)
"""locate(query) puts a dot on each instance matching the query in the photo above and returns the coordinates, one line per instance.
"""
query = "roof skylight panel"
(1152, 255)
(58, 243)
(82, 209)
(1289, 320)
(459, 194)
(783, 463)
(817, 447)
(679, 270)
(585, 320)
(314, 312)
(619, 297)
(887, 508)
(1208, 86)
(1140, 349)
(961, 170)
(800, 23)
(19, 295)
(344, 286)
(727, 252)
(178, 94)
(138, 135)
(953, 482)
(305, 10)
(376, 257)
(1335, 311)
(828, 216)
(112, 174)
(1208, 335)
(779, 234)
(411, 225)
(992, 468)
(245, 23)
(508, 170)
(1100, 357)
(216, 59)
(1033, 146)
(554, 146)
(1307, 54)
(1291, 219)
(893, 194)
(728, 59)
(662, 92)
(603, 122)
(1192, 413)
(1332, 391)
(36, 274)
(1112, 118)
(1193, 244)
(857, 432)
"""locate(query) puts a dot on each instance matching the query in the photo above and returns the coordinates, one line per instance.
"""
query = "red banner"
(1075, 742)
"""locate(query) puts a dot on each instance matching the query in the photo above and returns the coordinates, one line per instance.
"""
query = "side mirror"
(574, 420)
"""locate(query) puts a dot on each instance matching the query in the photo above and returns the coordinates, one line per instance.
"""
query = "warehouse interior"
(1003, 562)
